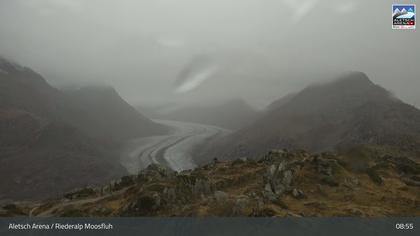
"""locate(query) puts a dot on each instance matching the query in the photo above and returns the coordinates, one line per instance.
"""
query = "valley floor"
(171, 150)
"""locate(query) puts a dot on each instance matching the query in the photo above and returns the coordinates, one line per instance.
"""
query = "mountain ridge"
(52, 141)
(348, 111)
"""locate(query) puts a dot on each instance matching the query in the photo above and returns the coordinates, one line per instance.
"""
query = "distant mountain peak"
(354, 76)
(348, 111)
(350, 83)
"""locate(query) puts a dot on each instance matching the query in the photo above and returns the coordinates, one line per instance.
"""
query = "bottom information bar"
(210, 226)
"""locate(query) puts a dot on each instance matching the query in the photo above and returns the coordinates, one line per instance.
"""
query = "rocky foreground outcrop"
(281, 183)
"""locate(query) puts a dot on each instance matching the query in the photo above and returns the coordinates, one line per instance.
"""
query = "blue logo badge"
(404, 16)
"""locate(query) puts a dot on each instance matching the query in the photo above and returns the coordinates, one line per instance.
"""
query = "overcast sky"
(259, 50)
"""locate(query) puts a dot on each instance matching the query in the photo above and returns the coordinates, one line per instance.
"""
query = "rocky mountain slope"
(281, 183)
(52, 141)
(337, 115)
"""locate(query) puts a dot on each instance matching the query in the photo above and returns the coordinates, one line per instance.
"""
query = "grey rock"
(351, 182)
(298, 194)
(272, 170)
(241, 204)
(201, 186)
(267, 188)
(220, 196)
(270, 196)
(278, 178)
(280, 189)
(281, 166)
(291, 214)
(287, 177)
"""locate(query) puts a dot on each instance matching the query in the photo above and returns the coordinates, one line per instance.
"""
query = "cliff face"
(281, 183)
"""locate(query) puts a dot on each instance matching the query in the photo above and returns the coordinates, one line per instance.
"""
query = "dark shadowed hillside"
(23, 89)
(51, 142)
(56, 159)
(346, 112)
(102, 113)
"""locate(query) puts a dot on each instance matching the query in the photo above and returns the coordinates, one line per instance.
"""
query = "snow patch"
(196, 80)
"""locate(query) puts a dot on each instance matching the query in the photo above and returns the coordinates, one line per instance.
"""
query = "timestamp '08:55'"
(404, 226)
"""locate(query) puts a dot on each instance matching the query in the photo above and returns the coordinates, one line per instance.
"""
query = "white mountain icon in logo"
(403, 13)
